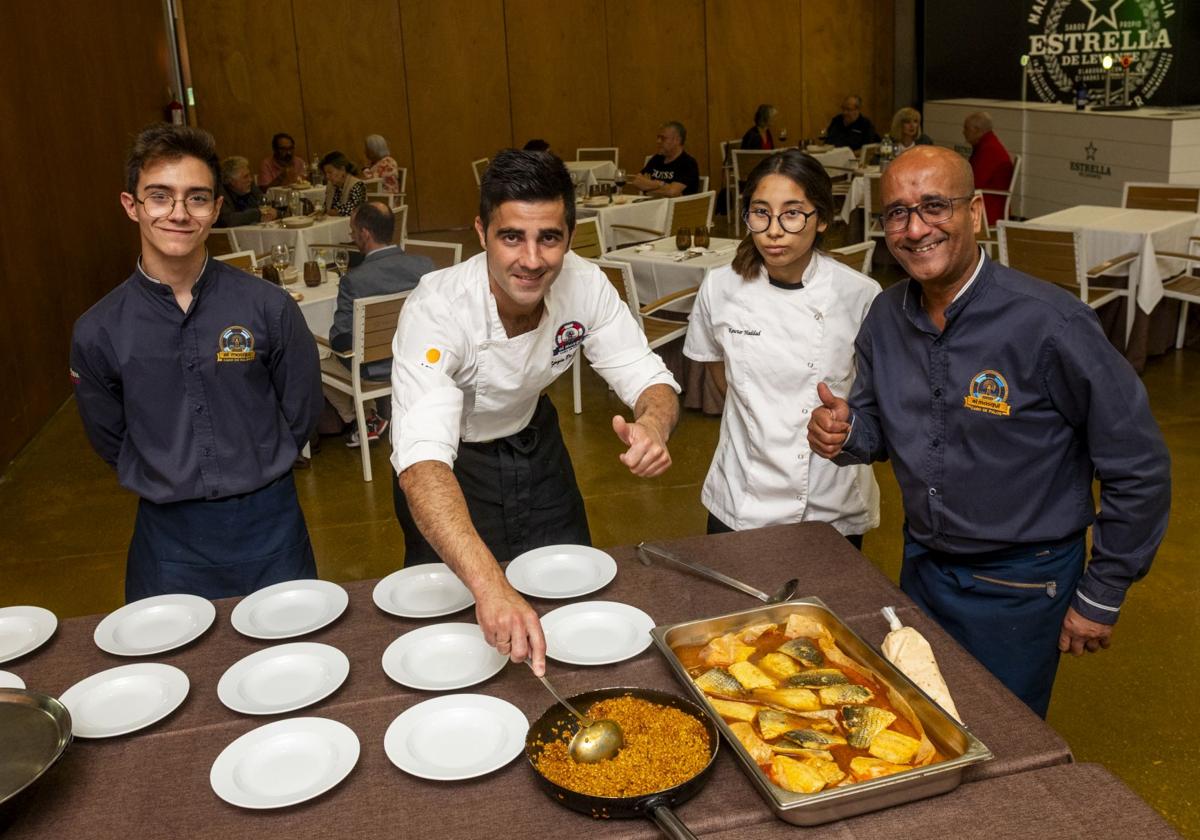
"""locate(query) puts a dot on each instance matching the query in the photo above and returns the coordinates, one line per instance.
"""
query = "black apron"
(520, 491)
(220, 548)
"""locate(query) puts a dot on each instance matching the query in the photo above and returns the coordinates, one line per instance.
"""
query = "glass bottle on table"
(341, 258)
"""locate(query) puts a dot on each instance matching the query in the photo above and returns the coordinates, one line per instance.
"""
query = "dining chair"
(373, 327)
(1056, 255)
(744, 161)
(443, 254)
(392, 200)
(727, 147)
(857, 256)
(867, 154)
(872, 207)
(239, 259)
(477, 169)
(703, 183)
(658, 331)
(611, 153)
(1149, 196)
(986, 235)
(220, 242)
(1008, 193)
(684, 211)
(588, 239)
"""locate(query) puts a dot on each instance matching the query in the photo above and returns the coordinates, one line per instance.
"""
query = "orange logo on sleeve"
(432, 355)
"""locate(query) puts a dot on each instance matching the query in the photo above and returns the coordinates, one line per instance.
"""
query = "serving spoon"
(783, 593)
(595, 740)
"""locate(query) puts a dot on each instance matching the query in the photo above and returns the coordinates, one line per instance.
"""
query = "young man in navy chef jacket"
(200, 384)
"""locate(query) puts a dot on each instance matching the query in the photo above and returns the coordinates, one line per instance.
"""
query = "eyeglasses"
(160, 204)
(933, 211)
(792, 220)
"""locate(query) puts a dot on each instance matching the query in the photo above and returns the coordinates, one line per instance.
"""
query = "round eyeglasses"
(792, 220)
(158, 205)
(933, 211)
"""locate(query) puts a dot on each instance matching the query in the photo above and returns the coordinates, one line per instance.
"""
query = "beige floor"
(65, 528)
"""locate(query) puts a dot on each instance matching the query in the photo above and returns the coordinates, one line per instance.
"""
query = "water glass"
(341, 258)
(313, 275)
(683, 239)
(700, 237)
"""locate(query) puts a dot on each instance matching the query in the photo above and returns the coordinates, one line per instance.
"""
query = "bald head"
(373, 223)
(976, 125)
(921, 162)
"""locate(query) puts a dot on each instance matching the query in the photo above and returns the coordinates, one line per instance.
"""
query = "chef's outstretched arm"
(438, 507)
(655, 415)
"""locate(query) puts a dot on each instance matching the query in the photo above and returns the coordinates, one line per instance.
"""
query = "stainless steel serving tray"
(35, 730)
(951, 739)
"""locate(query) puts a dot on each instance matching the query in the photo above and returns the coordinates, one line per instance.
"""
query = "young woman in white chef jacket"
(769, 327)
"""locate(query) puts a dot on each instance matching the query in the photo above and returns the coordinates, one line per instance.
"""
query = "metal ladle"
(595, 740)
(783, 593)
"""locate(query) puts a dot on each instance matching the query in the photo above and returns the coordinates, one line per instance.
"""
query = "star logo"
(1109, 17)
(1090, 150)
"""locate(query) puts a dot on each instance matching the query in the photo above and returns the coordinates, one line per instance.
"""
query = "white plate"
(459, 736)
(23, 629)
(288, 609)
(284, 762)
(10, 680)
(596, 632)
(442, 657)
(283, 678)
(154, 625)
(561, 571)
(124, 699)
(427, 590)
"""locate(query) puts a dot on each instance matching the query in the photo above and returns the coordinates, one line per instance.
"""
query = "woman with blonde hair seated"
(906, 130)
(343, 189)
(381, 164)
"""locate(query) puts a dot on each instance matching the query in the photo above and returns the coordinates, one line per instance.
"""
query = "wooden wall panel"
(62, 127)
(558, 73)
(656, 73)
(352, 79)
(752, 59)
(456, 68)
(847, 49)
(245, 74)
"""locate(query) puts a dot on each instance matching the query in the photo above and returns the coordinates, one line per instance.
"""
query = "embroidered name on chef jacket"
(988, 393)
(566, 338)
(736, 331)
(236, 344)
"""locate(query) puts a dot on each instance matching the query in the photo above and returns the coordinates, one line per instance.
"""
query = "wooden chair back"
(690, 211)
(390, 199)
(379, 316)
(443, 254)
(478, 167)
(241, 259)
(1181, 197)
(220, 242)
(587, 240)
(611, 153)
(1051, 255)
(857, 256)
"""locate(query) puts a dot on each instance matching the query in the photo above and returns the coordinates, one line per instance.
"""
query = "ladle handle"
(584, 719)
(704, 571)
(669, 824)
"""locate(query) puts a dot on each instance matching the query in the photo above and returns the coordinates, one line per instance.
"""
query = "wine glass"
(279, 256)
(821, 137)
(783, 132)
(341, 258)
(619, 180)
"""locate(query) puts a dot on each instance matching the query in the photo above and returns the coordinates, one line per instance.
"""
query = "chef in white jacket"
(483, 472)
(779, 320)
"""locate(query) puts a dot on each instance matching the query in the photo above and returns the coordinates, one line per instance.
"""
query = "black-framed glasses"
(792, 220)
(933, 211)
(159, 205)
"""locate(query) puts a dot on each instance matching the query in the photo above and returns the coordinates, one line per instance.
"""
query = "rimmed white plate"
(284, 763)
(124, 699)
(596, 632)
(10, 680)
(561, 571)
(459, 736)
(427, 590)
(23, 629)
(283, 678)
(154, 625)
(288, 609)
(442, 657)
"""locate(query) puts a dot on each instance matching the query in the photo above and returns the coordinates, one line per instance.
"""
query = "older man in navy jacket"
(998, 399)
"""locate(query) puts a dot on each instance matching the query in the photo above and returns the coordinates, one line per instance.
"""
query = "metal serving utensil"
(595, 740)
(783, 593)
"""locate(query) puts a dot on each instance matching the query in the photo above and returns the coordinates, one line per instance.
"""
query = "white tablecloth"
(857, 194)
(593, 170)
(842, 157)
(660, 271)
(319, 302)
(261, 238)
(1110, 231)
(649, 213)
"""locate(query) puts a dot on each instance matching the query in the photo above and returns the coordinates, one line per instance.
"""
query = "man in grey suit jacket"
(385, 269)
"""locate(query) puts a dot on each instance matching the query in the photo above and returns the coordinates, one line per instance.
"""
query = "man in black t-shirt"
(672, 171)
(851, 128)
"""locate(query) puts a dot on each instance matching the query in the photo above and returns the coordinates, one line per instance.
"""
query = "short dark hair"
(377, 219)
(517, 175)
(537, 144)
(807, 173)
(679, 129)
(165, 141)
(281, 135)
(340, 161)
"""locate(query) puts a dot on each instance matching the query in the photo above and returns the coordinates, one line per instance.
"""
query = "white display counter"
(1078, 157)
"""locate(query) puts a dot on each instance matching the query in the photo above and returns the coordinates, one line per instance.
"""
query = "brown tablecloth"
(155, 783)
(1067, 801)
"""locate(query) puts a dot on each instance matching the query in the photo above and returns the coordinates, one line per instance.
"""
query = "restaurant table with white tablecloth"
(629, 210)
(260, 238)
(155, 783)
(661, 269)
(592, 172)
(317, 303)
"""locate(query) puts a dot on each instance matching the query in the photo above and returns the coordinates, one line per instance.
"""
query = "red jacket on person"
(993, 170)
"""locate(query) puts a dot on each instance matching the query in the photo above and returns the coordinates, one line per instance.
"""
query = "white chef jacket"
(456, 375)
(777, 344)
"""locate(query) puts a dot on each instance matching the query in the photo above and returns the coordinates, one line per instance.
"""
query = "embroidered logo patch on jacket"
(988, 393)
(236, 344)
